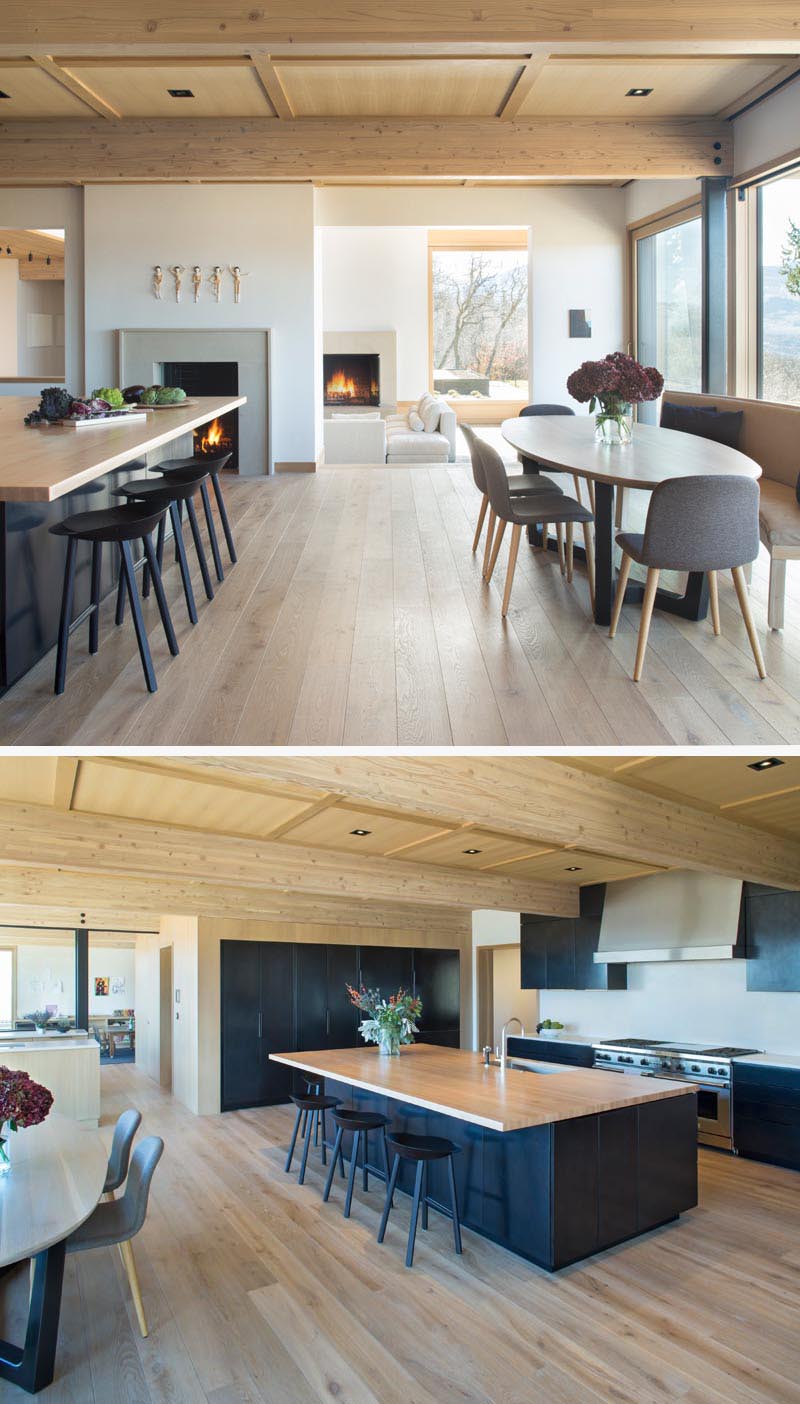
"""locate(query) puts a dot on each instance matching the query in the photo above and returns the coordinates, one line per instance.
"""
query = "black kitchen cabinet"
(387, 968)
(257, 1018)
(552, 1050)
(437, 982)
(557, 953)
(766, 1113)
(343, 1018)
(772, 938)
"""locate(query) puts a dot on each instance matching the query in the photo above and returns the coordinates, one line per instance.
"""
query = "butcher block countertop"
(455, 1082)
(40, 465)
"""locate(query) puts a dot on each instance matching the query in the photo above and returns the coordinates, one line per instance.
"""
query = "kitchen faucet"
(504, 1037)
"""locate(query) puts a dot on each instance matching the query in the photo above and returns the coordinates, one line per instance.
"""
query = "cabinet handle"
(260, 1017)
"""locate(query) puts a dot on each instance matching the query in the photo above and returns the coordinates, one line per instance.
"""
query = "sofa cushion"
(425, 448)
(357, 414)
(779, 515)
(415, 422)
(723, 426)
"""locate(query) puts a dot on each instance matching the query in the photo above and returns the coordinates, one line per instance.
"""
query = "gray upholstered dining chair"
(528, 412)
(120, 1220)
(124, 1131)
(519, 486)
(696, 524)
(540, 509)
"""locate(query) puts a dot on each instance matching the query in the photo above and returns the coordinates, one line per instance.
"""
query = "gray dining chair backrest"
(496, 482)
(117, 1220)
(702, 523)
(544, 409)
(124, 1131)
(474, 446)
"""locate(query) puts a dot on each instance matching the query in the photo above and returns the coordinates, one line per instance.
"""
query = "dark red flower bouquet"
(615, 383)
(23, 1102)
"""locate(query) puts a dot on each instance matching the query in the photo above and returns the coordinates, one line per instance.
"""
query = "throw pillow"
(722, 426)
(415, 421)
(430, 415)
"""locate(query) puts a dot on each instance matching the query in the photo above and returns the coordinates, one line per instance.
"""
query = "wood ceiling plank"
(334, 827)
(317, 150)
(522, 86)
(550, 800)
(137, 90)
(271, 83)
(32, 94)
(74, 85)
(66, 778)
(412, 89)
(691, 86)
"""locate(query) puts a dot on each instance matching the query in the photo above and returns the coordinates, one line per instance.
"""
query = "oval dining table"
(567, 444)
(58, 1170)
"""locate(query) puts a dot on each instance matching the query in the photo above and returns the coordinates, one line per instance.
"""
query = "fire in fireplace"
(352, 379)
(210, 378)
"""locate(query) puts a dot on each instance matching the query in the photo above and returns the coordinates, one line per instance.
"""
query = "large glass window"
(6, 987)
(779, 290)
(669, 305)
(479, 316)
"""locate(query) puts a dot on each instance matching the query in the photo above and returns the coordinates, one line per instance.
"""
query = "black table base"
(32, 1366)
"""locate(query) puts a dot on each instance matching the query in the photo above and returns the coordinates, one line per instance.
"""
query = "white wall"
(577, 238)
(118, 963)
(268, 230)
(50, 208)
(9, 285)
(508, 997)
(489, 929)
(180, 932)
(706, 1000)
(45, 975)
(770, 130)
(44, 296)
(647, 197)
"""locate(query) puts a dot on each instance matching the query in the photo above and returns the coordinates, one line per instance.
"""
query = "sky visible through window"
(779, 348)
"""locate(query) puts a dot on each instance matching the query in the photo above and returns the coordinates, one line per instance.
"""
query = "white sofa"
(354, 438)
(427, 434)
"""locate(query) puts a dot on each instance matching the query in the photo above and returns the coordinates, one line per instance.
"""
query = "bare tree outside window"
(480, 322)
(779, 286)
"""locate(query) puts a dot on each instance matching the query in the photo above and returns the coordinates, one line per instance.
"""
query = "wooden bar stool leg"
(180, 552)
(306, 1147)
(713, 599)
(482, 513)
(389, 1201)
(412, 1228)
(351, 1179)
(744, 605)
(513, 551)
(138, 620)
(223, 516)
(161, 599)
(287, 1167)
(212, 532)
(94, 617)
(129, 1263)
(337, 1148)
(496, 544)
(199, 548)
(651, 585)
(489, 539)
(67, 600)
(560, 540)
(451, 1174)
(570, 550)
(622, 585)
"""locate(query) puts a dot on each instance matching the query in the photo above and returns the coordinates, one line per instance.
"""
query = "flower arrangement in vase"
(615, 384)
(40, 1018)
(23, 1102)
(389, 1022)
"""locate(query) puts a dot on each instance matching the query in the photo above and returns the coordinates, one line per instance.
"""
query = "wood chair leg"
(545, 534)
(713, 599)
(777, 592)
(570, 550)
(576, 482)
(622, 583)
(651, 585)
(560, 540)
(489, 539)
(619, 507)
(479, 528)
(496, 544)
(744, 605)
(129, 1263)
(590, 486)
(588, 547)
(513, 551)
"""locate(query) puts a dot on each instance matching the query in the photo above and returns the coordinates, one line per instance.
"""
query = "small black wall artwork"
(580, 322)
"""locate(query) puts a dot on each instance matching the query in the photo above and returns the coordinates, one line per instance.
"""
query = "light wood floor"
(356, 615)
(256, 1292)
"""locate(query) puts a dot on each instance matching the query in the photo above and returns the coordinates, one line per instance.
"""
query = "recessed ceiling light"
(180, 92)
(639, 92)
(5, 95)
(471, 850)
(572, 870)
(360, 833)
(766, 764)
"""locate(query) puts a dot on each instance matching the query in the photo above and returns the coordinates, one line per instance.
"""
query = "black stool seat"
(124, 523)
(314, 1101)
(360, 1122)
(173, 469)
(311, 1109)
(405, 1145)
(411, 1147)
(171, 496)
(161, 489)
(176, 465)
(353, 1119)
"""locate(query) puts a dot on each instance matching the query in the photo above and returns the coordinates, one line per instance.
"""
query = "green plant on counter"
(548, 1024)
(112, 397)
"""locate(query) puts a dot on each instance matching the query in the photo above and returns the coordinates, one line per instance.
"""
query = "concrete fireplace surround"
(382, 343)
(142, 351)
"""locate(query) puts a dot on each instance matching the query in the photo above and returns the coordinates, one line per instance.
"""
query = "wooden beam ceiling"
(64, 916)
(311, 149)
(549, 799)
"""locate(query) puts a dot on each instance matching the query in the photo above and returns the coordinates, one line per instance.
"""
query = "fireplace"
(210, 378)
(352, 379)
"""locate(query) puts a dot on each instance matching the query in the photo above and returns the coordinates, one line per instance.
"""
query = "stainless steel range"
(709, 1067)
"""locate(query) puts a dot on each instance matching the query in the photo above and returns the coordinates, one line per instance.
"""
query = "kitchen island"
(556, 1162)
(49, 473)
(67, 1064)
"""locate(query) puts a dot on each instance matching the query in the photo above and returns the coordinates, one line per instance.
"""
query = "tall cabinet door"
(387, 968)
(242, 1020)
(277, 1016)
(437, 981)
(343, 1018)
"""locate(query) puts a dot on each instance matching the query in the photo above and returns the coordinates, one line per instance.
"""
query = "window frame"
(682, 212)
(745, 305)
(13, 951)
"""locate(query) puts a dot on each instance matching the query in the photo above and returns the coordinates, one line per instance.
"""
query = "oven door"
(713, 1111)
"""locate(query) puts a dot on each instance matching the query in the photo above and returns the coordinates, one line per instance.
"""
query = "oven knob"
(643, 1062)
(696, 1068)
(679, 1067)
(712, 1072)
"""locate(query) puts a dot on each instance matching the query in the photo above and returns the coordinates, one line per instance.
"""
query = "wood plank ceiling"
(380, 842)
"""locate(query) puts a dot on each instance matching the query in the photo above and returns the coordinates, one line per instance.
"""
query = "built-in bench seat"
(771, 436)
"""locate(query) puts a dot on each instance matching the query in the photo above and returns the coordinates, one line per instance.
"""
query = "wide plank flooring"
(357, 616)
(257, 1293)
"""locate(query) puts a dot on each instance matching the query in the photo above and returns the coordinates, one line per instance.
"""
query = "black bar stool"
(420, 1150)
(171, 497)
(316, 1105)
(120, 526)
(172, 468)
(360, 1123)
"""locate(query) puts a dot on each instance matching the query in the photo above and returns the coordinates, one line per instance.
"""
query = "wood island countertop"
(40, 465)
(456, 1083)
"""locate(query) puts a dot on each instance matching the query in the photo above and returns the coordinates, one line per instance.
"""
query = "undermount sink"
(543, 1068)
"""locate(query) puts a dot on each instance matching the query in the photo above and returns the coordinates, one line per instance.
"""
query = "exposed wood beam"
(205, 148)
(272, 85)
(131, 848)
(68, 917)
(522, 86)
(772, 23)
(67, 768)
(76, 87)
(545, 799)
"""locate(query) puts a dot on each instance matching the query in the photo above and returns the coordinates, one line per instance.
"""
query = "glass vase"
(389, 1044)
(5, 1149)
(614, 426)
